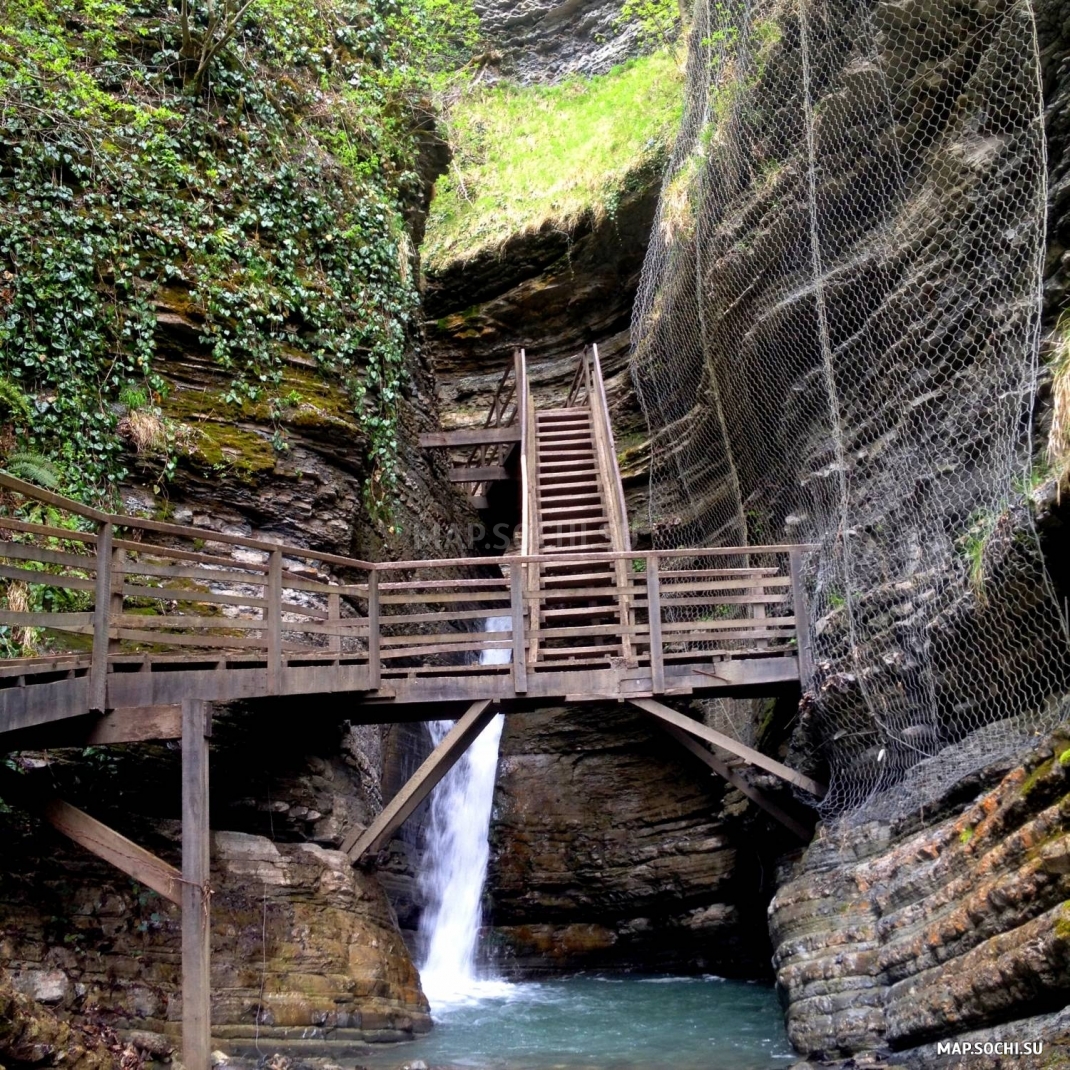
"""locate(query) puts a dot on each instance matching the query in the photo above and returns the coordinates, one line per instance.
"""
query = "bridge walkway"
(133, 627)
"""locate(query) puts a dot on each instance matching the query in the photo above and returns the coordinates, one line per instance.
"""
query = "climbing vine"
(249, 161)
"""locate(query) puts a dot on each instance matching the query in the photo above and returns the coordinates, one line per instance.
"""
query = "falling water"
(455, 862)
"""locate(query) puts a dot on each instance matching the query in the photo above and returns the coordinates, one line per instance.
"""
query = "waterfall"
(455, 861)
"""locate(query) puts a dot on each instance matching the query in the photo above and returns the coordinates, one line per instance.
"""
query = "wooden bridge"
(138, 626)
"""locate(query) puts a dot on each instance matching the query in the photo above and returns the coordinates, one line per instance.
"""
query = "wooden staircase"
(574, 504)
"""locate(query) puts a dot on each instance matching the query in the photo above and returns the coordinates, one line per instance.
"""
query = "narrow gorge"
(774, 293)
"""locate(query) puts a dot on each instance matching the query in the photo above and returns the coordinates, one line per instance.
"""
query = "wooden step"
(573, 512)
(574, 526)
(590, 548)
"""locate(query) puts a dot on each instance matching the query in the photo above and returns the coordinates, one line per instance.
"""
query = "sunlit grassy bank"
(525, 155)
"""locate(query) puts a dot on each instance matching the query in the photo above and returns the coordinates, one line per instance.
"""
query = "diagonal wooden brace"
(440, 761)
(727, 773)
(663, 713)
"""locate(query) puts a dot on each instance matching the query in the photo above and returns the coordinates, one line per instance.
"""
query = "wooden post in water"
(196, 893)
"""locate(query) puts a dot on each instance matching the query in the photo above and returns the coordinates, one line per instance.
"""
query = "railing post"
(653, 609)
(802, 622)
(98, 679)
(375, 666)
(516, 598)
(274, 623)
(334, 618)
(196, 892)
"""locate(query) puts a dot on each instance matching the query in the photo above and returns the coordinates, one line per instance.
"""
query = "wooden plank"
(375, 664)
(217, 642)
(154, 551)
(470, 437)
(668, 715)
(419, 786)
(196, 893)
(433, 598)
(802, 626)
(98, 687)
(184, 594)
(46, 620)
(726, 772)
(255, 577)
(483, 474)
(106, 843)
(46, 530)
(47, 579)
(135, 724)
(23, 551)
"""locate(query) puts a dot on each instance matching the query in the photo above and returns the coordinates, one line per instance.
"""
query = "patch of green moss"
(1062, 922)
(1064, 758)
(966, 835)
(1036, 777)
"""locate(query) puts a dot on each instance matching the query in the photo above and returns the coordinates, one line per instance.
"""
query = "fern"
(15, 401)
(34, 468)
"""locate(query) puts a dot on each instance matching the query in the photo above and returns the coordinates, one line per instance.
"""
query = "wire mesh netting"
(835, 341)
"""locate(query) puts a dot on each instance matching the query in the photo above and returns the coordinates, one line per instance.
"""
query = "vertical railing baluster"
(274, 623)
(653, 602)
(334, 619)
(98, 679)
(516, 599)
(802, 623)
(375, 666)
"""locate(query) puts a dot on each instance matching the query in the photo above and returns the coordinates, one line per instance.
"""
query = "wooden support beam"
(108, 844)
(670, 716)
(476, 436)
(441, 760)
(133, 724)
(491, 474)
(727, 773)
(196, 893)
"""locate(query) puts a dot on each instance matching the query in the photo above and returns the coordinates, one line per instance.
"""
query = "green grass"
(526, 155)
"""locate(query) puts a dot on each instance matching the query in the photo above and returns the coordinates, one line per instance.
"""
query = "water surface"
(590, 1023)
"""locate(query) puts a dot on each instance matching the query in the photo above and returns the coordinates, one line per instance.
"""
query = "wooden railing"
(171, 596)
(504, 412)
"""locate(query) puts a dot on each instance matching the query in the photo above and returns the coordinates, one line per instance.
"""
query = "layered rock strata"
(896, 937)
(613, 848)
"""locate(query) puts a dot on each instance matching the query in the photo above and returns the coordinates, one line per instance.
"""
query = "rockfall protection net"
(835, 342)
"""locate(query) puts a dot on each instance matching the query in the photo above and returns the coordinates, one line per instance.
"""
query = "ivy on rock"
(253, 159)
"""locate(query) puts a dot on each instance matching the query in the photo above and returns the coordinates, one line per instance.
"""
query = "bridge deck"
(131, 628)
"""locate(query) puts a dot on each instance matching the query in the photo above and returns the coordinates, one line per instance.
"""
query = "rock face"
(894, 937)
(541, 41)
(303, 944)
(613, 848)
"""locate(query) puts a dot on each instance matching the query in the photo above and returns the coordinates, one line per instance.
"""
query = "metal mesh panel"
(835, 341)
